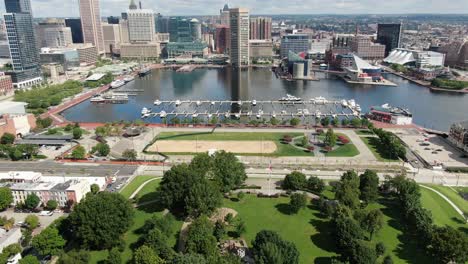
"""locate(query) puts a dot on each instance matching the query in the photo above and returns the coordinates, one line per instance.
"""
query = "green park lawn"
(348, 150)
(133, 185)
(147, 193)
(453, 195)
(442, 212)
(376, 148)
(282, 149)
(311, 232)
(363, 132)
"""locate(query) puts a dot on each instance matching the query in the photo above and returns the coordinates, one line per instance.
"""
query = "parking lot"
(44, 221)
(434, 149)
(118, 184)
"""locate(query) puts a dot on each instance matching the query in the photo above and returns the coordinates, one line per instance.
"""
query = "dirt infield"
(193, 146)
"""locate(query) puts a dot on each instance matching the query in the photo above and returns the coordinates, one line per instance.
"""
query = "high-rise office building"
(141, 27)
(22, 44)
(222, 39)
(260, 28)
(18, 6)
(75, 25)
(111, 33)
(113, 20)
(224, 15)
(296, 43)
(365, 49)
(162, 23)
(195, 29)
(90, 13)
(239, 24)
(389, 35)
(53, 33)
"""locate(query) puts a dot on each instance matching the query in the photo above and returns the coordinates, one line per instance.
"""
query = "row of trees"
(354, 224)
(20, 152)
(297, 181)
(444, 244)
(196, 189)
(392, 146)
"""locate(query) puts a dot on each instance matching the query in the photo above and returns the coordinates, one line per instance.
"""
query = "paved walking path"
(141, 187)
(446, 199)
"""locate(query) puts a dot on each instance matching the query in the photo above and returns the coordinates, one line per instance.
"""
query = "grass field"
(442, 212)
(282, 149)
(311, 233)
(376, 148)
(364, 132)
(348, 150)
(147, 193)
(133, 185)
(453, 196)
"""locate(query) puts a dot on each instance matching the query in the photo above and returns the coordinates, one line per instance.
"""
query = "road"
(56, 168)
(420, 176)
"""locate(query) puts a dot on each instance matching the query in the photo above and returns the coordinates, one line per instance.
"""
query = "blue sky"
(45, 8)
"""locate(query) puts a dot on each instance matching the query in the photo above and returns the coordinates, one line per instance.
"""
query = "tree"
(29, 259)
(298, 201)
(346, 232)
(335, 121)
(102, 149)
(269, 248)
(74, 257)
(200, 238)
(356, 122)
(362, 254)
(32, 201)
(373, 222)
(48, 242)
(100, 220)
(294, 181)
(330, 138)
(219, 230)
(95, 188)
(129, 155)
(78, 153)
(228, 171)
(189, 259)
(146, 255)
(380, 249)
(294, 121)
(449, 245)
(202, 165)
(52, 205)
(240, 227)
(347, 191)
(16, 154)
(7, 139)
(325, 121)
(345, 122)
(315, 184)
(77, 133)
(304, 141)
(388, 260)
(369, 186)
(32, 221)
(156, 240)
(6, 198)
(240, 196)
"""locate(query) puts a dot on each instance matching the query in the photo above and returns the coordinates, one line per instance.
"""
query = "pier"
(318, 108)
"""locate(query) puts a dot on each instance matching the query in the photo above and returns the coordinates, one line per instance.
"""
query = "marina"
(434, 110)
(316, 107)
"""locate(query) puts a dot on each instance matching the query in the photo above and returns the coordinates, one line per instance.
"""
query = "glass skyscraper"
(389, 35)
(22, 43)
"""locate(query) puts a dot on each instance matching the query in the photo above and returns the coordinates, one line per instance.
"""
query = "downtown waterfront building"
(75, 25)
(91, 23)
(239, 27)
(389, 35)
(296, 43)
(22, 44)
(260, 28)
(141, 26)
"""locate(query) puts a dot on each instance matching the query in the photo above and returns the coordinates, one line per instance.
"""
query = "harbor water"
(435, 110)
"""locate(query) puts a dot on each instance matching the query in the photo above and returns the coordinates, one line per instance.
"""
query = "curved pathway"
(143, 185)
(446, 199)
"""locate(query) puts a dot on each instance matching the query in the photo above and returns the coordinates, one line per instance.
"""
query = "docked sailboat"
(178, 103)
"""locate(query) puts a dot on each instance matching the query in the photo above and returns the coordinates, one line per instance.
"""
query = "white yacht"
(162, 114)
(249, 113)
(318, 114)
(284, 112)
(145, 111)
(129, 78)
(273, 115)
(358, 108)
(352, 103)
(198, 103)
(195, 115)
(213, 103)
(319, 100)
(210, 115)
(237, 115)
(260, 114)
(117, 83)
(157, 102)
(227, 115)
(290, 98)
(344, 103)
(178, 103)
(97, 99)
(306, 111)
(239, 102)
(254, 102)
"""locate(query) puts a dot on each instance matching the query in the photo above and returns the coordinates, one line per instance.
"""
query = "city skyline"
(41, 8)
